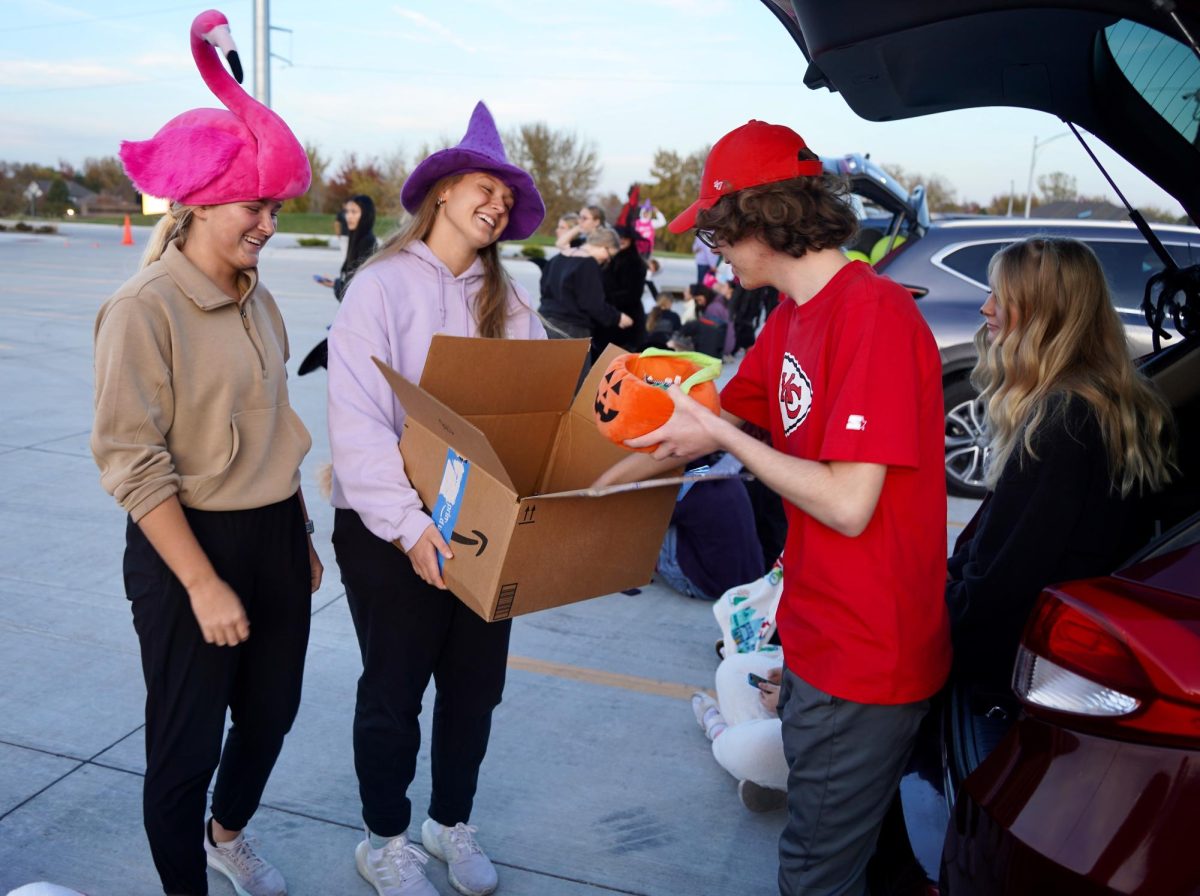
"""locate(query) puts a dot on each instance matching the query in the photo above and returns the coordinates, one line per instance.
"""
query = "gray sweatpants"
(845, 761)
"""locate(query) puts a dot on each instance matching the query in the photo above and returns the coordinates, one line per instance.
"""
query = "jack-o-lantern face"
(632, 398)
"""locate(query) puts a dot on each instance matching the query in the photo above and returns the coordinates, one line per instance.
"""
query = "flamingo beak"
(235, 65)
(221, 38)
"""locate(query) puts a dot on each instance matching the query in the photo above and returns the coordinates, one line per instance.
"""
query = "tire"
(966, 444)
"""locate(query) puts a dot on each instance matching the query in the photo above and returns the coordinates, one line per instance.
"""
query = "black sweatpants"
(263, 556)
(408, 631)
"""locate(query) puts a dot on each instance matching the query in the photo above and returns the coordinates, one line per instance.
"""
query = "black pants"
(407, 632)
(263, 555)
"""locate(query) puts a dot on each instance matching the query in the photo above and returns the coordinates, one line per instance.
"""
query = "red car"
(1086, 778)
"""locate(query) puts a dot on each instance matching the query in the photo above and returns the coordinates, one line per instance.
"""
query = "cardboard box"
(528, 533)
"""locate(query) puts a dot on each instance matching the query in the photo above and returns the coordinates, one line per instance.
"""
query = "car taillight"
(1076, 667)
(1045, 683)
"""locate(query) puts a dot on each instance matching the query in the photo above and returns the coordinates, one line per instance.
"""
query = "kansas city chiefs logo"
(795, 394)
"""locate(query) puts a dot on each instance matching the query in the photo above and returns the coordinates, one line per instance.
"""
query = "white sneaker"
(395, 870)
(471, 871)
(250, 873)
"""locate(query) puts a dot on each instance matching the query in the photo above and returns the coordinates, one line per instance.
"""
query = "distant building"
(88, 202)
(80, 197)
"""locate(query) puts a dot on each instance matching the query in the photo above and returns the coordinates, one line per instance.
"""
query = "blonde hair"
(1062, 338)
(491, 304)
(173, 225)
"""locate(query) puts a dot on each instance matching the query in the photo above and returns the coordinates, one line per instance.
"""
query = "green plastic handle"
(710, 367)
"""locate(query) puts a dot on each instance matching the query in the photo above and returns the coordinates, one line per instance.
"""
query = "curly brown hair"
(792, 216)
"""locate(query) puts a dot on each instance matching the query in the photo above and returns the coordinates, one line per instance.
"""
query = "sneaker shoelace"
(244, 856)
(402, 860)
(462, 840)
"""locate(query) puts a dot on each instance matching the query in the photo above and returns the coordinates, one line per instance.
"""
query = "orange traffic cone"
(127, 235)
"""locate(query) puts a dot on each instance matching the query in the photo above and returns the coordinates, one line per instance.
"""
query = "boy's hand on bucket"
(687, 434)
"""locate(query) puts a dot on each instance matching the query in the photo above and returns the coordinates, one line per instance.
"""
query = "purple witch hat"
(480, 150)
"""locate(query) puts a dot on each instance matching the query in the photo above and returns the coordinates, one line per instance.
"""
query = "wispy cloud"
(43, 73)
(433, 28)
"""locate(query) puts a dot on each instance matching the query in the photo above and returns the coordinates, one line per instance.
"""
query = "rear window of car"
(1164, 71)
(1126, 263)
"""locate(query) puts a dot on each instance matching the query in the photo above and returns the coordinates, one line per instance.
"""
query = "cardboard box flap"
(661, 482)
(501, 376)
(584, 404)
(463, 437)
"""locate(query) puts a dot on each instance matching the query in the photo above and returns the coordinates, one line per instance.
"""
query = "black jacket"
(573, 292)
(624, 282)
(1049, 520)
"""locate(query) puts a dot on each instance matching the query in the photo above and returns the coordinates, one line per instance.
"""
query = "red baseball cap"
(757, 153)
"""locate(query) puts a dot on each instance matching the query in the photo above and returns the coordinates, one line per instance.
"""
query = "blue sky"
(77, 76)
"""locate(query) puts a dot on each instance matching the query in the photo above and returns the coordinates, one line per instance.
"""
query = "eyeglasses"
(708, 236)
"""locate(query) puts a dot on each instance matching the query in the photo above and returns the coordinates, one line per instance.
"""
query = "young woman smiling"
(195, 438)
(440, 274)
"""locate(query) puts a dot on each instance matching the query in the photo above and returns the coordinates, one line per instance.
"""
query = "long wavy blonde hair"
(491, 305)
(1062, 337)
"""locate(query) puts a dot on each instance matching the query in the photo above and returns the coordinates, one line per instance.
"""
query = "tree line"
(565, 165)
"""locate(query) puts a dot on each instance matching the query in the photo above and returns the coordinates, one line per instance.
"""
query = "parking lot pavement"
(597, 780)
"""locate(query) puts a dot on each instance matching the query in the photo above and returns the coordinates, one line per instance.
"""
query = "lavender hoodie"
(391, 310)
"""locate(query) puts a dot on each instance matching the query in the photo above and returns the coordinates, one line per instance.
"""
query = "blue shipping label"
(450, 495)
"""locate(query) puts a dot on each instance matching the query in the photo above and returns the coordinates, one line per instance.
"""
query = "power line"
(509, 76)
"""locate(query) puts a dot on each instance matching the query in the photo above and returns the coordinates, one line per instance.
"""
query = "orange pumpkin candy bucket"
(632, 398)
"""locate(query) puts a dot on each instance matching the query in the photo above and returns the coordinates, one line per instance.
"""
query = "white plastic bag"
(746, 613)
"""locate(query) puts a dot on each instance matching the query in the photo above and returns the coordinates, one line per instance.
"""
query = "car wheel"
(966, 442)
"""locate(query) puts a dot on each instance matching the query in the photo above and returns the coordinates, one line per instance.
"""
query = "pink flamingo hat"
(214, 156)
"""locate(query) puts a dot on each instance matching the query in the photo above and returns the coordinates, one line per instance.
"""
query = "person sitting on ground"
(744, 727)
(705, 331)
(719, 309)
(662, 323)
(711, 544)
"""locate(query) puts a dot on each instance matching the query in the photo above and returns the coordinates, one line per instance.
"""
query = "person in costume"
(195, 438)
(1078, 439)
(440, 274)
(624, 280)
(846, 380)
(649, 220)
(359, 214)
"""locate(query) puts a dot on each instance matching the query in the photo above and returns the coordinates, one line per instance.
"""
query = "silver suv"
(943, 262)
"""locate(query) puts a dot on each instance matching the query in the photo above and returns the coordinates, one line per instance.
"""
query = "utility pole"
(262, 52)
(1032, 163)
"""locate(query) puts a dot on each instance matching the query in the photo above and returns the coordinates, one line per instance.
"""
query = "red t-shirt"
(854, 375)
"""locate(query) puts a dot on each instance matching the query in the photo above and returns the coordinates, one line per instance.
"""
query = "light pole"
(1032, 162)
